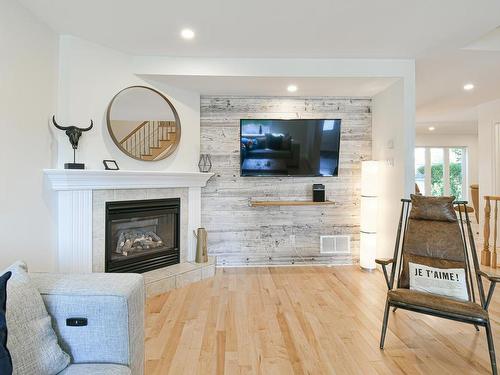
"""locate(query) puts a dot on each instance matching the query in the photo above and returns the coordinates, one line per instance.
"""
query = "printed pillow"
(5, 360)
(250, 143)
(432, 208)
(253, 144)
(32, 342)
(449, 282)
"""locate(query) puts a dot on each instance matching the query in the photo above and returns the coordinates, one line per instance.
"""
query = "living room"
(191, 198)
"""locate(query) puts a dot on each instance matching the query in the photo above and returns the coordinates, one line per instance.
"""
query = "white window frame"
(446, 169)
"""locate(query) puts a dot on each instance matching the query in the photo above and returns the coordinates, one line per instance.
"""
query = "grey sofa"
(291, 155)
(112, 343)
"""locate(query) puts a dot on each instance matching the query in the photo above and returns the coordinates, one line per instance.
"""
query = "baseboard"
(232, 260)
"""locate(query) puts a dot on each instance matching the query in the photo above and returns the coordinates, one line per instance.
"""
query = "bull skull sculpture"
(74, 133)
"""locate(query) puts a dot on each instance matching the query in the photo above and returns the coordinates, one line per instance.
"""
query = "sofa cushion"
(5, 360)
(274, 141)
(31, 341)
(96, 369)
(113, 304)
(287, 142)
(267, 153)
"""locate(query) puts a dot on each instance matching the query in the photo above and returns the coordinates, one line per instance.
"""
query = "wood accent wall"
(239, 234)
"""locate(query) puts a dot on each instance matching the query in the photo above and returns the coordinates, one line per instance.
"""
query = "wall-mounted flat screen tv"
(289, 147)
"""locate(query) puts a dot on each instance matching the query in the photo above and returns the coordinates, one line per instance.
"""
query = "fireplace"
(142, 235)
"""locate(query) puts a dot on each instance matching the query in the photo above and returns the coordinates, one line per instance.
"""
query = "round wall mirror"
(143, 123)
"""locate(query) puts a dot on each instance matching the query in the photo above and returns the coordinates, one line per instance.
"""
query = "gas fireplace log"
(133, 241)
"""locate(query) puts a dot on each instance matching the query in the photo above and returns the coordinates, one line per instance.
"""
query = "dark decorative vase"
(205, 163)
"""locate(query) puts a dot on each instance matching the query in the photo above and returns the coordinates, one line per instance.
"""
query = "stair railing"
(146, 136)
(488, 257)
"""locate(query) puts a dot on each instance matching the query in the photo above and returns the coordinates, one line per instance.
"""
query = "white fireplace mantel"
(74, 189)
(87, 179)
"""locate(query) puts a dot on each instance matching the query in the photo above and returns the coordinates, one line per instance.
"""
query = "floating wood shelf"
(255, 203)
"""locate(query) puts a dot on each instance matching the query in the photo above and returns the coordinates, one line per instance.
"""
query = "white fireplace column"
(74, 215)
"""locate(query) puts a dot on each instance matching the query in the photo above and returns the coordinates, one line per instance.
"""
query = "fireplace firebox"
(142, 235)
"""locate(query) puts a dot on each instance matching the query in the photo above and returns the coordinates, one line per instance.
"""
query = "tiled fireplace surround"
(82, 196)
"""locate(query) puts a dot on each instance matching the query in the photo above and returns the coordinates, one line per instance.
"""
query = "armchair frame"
(473, 273)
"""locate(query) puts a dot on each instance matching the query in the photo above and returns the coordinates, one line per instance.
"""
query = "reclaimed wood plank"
(241, 233)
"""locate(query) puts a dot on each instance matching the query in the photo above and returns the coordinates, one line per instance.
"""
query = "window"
(441, 171)
(420, 169)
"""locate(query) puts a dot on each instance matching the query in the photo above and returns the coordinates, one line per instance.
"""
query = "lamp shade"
(369, 210)
(368, 216)
(369, 177)
(368, 253)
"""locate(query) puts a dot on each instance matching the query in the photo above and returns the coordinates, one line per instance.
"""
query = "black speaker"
(318, 193)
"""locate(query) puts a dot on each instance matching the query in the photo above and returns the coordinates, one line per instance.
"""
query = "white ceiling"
(440, 81)
(488, 42)
(277, 28)
(435, 33)
(277, 86)
(458, 127)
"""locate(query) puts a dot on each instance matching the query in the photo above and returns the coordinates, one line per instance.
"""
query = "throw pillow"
(449, 282)
(432, 208)
(253, 144)
(5, 360)
(32, 342)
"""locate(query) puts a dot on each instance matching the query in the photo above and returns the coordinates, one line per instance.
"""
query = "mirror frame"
(117, 143)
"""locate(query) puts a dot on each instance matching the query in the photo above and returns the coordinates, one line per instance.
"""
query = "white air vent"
(335, 244)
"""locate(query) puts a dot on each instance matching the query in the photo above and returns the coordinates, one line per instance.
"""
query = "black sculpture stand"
(74, 166)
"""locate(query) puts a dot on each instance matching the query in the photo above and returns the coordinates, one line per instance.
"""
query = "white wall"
(392, 146)
(393, 111)
(28, 76)
(90, 75)
(488, 115)
(455, 140)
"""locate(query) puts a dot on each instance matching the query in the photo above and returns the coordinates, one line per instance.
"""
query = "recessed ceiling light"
(187, 34)
(468, 86)
(292, 88)
(432, 128)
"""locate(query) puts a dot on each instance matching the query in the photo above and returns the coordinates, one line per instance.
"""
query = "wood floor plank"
(302, 320)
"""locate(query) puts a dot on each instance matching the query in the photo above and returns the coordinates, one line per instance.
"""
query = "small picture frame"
(110, 165)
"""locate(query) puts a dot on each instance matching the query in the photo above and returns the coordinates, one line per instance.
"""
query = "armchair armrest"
(384, 262)
(490, 277)
(493, 279)
(113, 305)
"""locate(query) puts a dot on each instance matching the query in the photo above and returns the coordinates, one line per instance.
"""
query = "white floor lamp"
(369, 209)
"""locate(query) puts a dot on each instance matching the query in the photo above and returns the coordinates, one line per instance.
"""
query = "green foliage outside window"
(437, 173)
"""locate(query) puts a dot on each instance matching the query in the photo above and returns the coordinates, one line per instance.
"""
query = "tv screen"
(289, 147)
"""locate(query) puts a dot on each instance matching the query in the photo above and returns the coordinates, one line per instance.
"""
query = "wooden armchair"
(436, 266)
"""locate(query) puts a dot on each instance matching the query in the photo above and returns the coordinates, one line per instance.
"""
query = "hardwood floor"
(303, 320)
